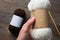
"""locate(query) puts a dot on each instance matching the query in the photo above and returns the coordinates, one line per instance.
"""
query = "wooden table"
(6, 11)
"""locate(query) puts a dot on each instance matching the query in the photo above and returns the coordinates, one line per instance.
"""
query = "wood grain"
(7, 8)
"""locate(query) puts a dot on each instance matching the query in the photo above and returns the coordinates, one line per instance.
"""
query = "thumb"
(25, 29)
(27, 25)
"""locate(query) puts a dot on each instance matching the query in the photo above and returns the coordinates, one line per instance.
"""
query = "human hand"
(25, 31)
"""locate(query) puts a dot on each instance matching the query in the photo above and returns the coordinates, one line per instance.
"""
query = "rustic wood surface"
(6, 11)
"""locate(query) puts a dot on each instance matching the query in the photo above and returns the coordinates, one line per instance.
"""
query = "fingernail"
(33, 18)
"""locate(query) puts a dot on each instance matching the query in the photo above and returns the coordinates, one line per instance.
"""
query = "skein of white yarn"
(40, 33)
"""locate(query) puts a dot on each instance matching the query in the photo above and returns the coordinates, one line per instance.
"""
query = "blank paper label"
(16, 21)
